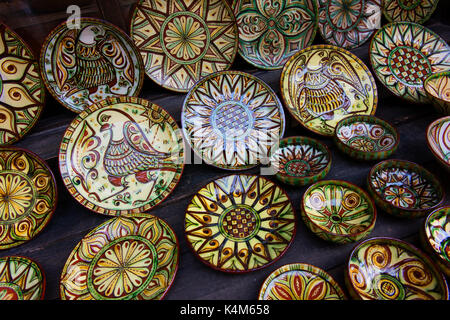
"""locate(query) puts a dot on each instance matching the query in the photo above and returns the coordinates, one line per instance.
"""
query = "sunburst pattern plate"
(418, 11)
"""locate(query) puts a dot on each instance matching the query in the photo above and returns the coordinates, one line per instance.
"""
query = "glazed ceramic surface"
(338, 211)
(22, 92)
(300, 281)
(438, 138)
(83, 66)
(240, 223)
(323, 84)
(437, 88)
(404, 54)
(28, 196)
(121, 156)
(418, 11)
(134, 258)
(21, 279)
(232, 120)
(349, 23)
(183, 41)
(390, 269)
(271, 31)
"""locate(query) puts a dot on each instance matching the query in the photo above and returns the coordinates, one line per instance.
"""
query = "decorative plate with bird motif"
(418, 11)
(324, 84)
(83, 66)
(122, 156)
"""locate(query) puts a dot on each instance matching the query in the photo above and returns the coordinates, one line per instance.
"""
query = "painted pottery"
(232, 120)
(125, 258)
(240, 223)
(121, 156)
(437, 88)
(438, 139)
(183, 41)
(391, 269)
(271, 31)
(349, 23)
(28, 196)
(404, 54)
(22, 92)
(418, 11)
(366, 137)
(404, 189)
(323, 84)
(300, 281)
(83, 66)
(338, 211)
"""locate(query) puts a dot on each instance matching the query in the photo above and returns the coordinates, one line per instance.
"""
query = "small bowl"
(366, 137)
(391, 269)
(300, 161)
(437, 88)
(338, 211)
(438, 139)
(404, 189)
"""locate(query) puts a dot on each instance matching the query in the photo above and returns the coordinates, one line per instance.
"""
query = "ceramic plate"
(390, 269)
(438, 139)
(409, 10)
(22, 92)
(323, 84)
(349, 24)
(271, 31)
(300, 281)
(21, 279)
(240, 223)
(134, 258)
(121, 156)
(183, 41)
(437, 88)
(28, 196)
(232, 120)
(404, 54)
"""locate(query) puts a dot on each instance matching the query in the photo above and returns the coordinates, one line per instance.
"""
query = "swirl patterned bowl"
(438, 139)
(437, 88)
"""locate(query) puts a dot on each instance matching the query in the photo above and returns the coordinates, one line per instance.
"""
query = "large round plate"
(83, 66)
(418, 11)
(183, 41)
(22, 92)
(232, 120)
(134, 258)
(438, 139)
(240, 223)
(121, 156)
(323, 84)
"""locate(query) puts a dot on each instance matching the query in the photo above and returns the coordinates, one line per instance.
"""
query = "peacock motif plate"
(83, 66)
(182, 41)
(271, 31)
(438, 139)
(391, 269)
(22, 92)
(323, 84)
(437, 88)
(300, 281)
(232, 120)
(125, 258)
(240, 223)
(418, 11)
(404, 54)
(28, 196)
(122, 156)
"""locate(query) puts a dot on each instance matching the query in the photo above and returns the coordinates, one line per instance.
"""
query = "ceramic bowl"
(412, 11)
(437, 88)
(316, 284)
(366, 137)
(391, 269)
(338, 211)
(300, 161)
(404, 189)
(438, 139)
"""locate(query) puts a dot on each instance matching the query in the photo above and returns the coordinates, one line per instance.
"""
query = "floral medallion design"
(323, 84)
(390, 269)
(240, 223)
(22, 92)
(438, 139)
(300, 281)
(134, 258)
(122, 156)
(28, 196)
(183, 41)
(404, 54)
(349, 23)
(271, 31)
(437, 88)
(83, 66)
(418, 11)
(232, 120)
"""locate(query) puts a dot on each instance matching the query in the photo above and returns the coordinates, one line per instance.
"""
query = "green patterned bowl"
(366, 137)
(438, 140)
(404, 189)
(391, 269)
(437, 88)
(338, 211)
